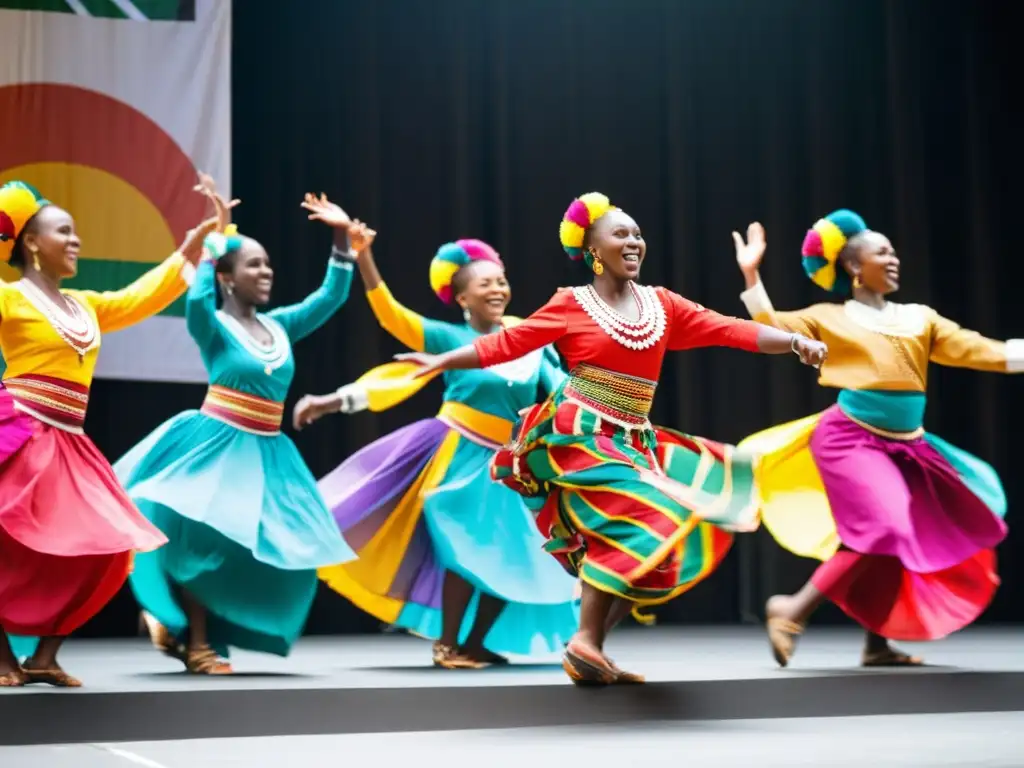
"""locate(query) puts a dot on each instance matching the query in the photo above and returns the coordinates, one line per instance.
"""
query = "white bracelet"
(792, 343)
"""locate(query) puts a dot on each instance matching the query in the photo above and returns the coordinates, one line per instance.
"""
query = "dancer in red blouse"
(640, 513)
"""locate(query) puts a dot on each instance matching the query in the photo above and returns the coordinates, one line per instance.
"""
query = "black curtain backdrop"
(484, 118)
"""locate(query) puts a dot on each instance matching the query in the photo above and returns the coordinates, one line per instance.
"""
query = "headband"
(19, 202)
(822, 246)
(580, 216)
(451, 257)
(220, 244)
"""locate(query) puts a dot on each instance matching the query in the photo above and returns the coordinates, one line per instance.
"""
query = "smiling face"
(873, 259)
(249, 274)
(482, 288)
(50, 238)
(616, 241)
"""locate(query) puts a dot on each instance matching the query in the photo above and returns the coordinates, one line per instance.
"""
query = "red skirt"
(68, 532)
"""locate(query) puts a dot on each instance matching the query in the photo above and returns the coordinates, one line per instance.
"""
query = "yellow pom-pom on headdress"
(451, 257)
(19, 202)
(578, 218)
(822, 245)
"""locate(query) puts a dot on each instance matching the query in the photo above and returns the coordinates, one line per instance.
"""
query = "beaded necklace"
(73, 324)
(642, 333)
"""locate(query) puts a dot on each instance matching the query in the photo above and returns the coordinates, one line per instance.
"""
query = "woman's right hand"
(750, 253)
(311, 408)
(322, 209)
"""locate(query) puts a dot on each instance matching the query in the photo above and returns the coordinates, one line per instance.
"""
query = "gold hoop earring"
(857, 282)
(598, 267)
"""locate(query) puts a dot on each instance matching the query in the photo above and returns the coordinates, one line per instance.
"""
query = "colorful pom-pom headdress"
(451, 257)
(19, 202)
(578, 218)
(822, 245)
(220, 244)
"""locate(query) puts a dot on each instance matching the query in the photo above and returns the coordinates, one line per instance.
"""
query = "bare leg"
(487, 613)
(42, 667)
(787, 615)
(200, 658)
(620, 610)
(11, 675)
(585, 661)
(455, 596)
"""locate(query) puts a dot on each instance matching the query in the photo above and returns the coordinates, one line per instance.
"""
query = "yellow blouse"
(32, 344)
(887, 349)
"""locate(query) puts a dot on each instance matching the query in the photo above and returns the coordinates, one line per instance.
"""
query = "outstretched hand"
(310, 408)
(750, 253)
(322, 209)
(810, 352)
(208, 187)
(428, 363)
(360, 236)
(192, 246)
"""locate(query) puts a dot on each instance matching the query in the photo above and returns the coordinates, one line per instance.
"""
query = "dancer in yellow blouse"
(67, 528)
(905, 522)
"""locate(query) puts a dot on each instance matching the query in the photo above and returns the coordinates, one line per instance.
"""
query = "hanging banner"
(108, 108)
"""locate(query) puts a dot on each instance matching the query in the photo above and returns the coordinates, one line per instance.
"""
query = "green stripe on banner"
(137, 10)
(97, 275)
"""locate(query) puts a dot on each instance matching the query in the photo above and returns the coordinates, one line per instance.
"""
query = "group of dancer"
(536, 510)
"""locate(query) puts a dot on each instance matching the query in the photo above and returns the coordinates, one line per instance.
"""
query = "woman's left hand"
(429, 363)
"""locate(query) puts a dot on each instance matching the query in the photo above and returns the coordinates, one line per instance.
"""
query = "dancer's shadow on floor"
(252, 675)
(497, 669)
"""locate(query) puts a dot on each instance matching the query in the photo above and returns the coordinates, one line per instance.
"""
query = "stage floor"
(385, 684)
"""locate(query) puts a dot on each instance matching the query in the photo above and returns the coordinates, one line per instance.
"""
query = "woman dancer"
(67, 529)
(444, 552)
(623, 505)
(905, 522)
(246, 525)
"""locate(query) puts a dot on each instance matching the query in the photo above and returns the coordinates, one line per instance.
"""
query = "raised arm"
(300, 320)
(201, 304)
(156, 290)
(749, 255)
(958, 347)
(412, 329)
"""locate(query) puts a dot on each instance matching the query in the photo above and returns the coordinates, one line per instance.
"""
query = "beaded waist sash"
(53, 401)
(243, 411)
(617, 397)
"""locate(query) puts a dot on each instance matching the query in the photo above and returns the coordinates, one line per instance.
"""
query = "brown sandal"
(447, 657)
(585, 672)
(890, 657)
(205, 661)
(55, 676)
(622, 677)
(782, 634)
(162, 638)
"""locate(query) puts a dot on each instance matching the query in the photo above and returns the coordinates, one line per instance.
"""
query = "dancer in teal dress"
(445, 552)
(247, 528)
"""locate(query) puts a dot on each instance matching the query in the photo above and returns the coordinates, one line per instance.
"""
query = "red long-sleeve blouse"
(572, 327)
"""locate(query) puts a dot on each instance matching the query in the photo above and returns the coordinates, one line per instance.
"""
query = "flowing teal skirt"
(247, 530)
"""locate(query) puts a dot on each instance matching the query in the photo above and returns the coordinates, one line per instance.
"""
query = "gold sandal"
(890, 657)
(782, 634)
(205, 661)
(447, 657)
(622, 677)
